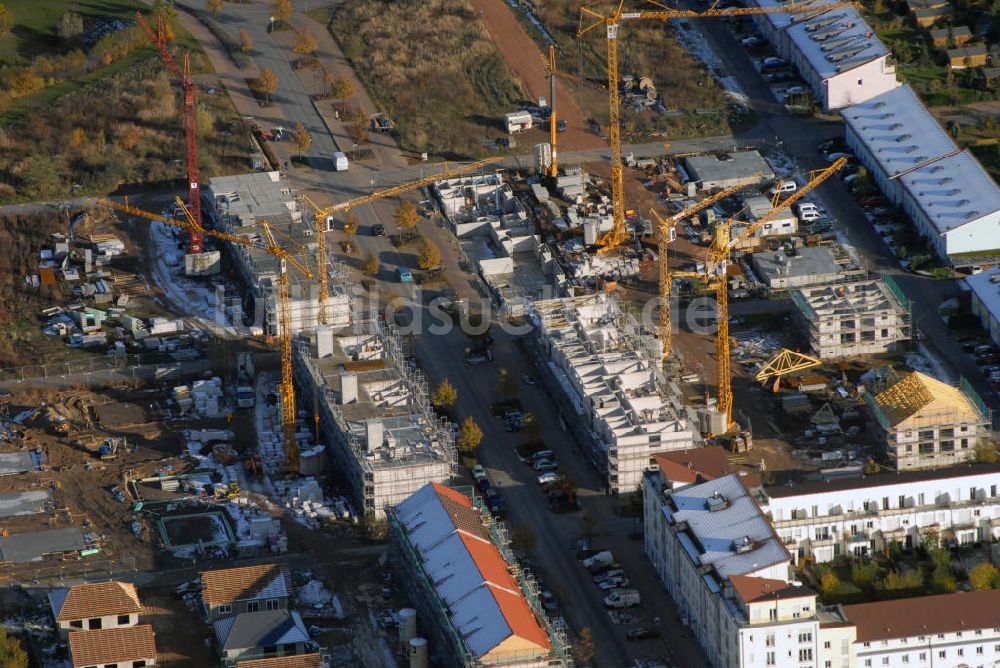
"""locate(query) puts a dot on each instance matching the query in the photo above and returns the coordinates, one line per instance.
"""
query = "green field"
(36, 24)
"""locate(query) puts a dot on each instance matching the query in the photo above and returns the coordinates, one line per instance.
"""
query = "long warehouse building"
(951, 199)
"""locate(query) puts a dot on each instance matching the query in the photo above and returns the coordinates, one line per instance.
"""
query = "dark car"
(641, 633)
(378, 230)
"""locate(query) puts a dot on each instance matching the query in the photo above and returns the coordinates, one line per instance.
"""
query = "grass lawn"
(36, 24)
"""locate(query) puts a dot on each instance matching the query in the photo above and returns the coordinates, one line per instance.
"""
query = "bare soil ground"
(523, 56)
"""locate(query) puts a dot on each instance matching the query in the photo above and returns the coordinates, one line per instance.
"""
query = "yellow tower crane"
(550, 67)
(590, 19)
(324, 213)
(664, 233)
(269, 245)
(716, 266)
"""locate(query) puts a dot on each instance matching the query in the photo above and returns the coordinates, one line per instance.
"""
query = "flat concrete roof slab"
(24, 547)
(24, 503)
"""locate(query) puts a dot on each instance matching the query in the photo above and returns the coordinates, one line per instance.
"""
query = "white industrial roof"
(832, 41)
(485, 603)
(720, 532)
(949, 186)
(953, 191)
(898, 130)
(986, 289)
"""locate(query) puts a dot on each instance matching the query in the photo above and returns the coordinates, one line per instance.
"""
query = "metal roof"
(986, 286)
(832, 41)
(736, 539)
(260, 629)
(484, 602)
(948, 185)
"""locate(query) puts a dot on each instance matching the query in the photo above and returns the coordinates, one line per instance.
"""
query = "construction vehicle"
(555, 125)
(590, 19)
(380, 123)
(159, 39)
(325, 218)
(269, 245)
(226, 492)
(245, 375)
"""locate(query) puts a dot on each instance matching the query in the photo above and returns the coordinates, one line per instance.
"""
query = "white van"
(340, 161)
(622, 598)
(784, 187)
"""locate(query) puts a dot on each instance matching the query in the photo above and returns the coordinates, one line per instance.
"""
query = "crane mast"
(159, 39)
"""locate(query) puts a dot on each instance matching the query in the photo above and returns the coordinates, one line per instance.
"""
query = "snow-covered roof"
(485, 603)
(832, 41)
(986, 286)
(949, 185)
(732, 533)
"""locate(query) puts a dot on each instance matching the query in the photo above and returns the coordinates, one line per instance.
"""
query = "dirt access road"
(523, 56)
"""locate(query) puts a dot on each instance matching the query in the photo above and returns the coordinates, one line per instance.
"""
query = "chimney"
(348, 388)
(373, 430)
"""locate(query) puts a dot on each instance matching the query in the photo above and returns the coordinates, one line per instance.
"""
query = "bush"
(984, 576)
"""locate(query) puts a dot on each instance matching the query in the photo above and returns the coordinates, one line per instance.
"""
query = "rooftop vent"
(743, 545)
(902, 138)
(936, 168)
(716, 502)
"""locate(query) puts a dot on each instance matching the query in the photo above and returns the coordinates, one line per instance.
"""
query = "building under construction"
(237, 205)
(859, 318)
(925, 423)
(611, 389)
(374, 412)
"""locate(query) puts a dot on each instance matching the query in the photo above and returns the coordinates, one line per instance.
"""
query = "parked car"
(613, 583)
(546, 465)
(622, 598)
(784, 187)
(541, 454)
(641, 633)
(404, 275)
(604, 576)
(478, 472)
(378, 230)
(548, 601)
(750, 42)
(548, 478)
(837, 155)
(527, 380)
(809, 215)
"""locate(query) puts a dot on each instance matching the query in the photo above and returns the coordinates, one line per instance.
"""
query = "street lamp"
(270, 28)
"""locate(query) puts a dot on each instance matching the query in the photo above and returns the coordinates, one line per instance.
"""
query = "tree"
(943, 581)
(828, 582)
(350, 225)
(12, 655)
(6, 20)
(524, 537)
(872, 467)
(863, 575)
(70, 26)
(430, 256)
(445, 395)
(341, 88)
(265, 84)
(246, 42)
(506, 385)
(583, 648)
(406, 217)
(305, 43)
(986, 452)
(214, 6)
(984, 576)
(357, 125)
(469, 436)
(282, 10)
(370, 267)
(302, 138)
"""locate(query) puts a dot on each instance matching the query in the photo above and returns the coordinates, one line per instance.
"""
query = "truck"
(597, 560)
(245, 397)
(622, 598)
(517, 121)
(340, 161)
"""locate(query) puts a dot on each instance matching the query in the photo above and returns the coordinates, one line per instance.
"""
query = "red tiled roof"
(297, 661)
(226, 585)
(753, 590)
(908, 617)
(452, 494)
(491, 564)
(101, 646)
(694, 464)
(99, 599)
(520, 618)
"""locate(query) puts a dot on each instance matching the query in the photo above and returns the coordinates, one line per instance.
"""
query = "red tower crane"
(159, 38)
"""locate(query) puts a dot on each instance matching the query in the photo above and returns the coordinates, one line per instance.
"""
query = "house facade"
(101, 605)
(248, 589)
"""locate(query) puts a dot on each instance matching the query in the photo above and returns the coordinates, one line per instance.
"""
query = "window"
(826, 645)
(225, 609)
(94, 623)
(979, 650)
(923, 656)
(141, 663)
(123, 620)
(906, 658)
(902, 501)
(76, 624)
(806, 654)
(805, 637)
(993, 490)
(885, 503)
(769, 659)
(828, 664)
(272, 604)
(253, 606)
(885, 661)
(942, 654)
(769, 640)
(861, 82)
(961, 652)
(920, 499)
(868, 663)
(772, 614)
